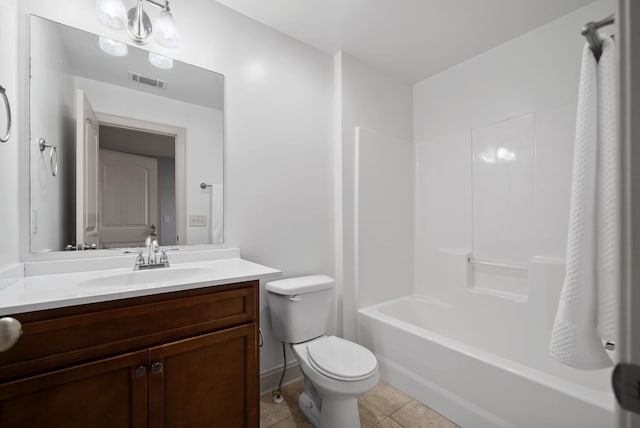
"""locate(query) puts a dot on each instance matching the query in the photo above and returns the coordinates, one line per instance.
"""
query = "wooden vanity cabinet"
(104, 393)
(183, 359)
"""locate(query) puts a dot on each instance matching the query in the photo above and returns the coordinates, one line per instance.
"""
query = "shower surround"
(490, 169)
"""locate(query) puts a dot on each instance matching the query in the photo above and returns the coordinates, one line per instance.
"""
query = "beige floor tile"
(417, 415)
(388, 423)
(369, 415)
(285, 414)
(271, 412)
(294, 388)
(374, 409)
(386, 398)
(296, 421)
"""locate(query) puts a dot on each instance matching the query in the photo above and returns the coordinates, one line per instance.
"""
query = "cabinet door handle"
(156, 368)
(10, 332)
(141, 371)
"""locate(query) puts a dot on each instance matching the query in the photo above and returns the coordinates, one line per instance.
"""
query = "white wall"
(477, 102)
(278, 157)
(52, 104)
(381, 103)
(204, 138)
(384, 217)
(9, 212)
(533, 72)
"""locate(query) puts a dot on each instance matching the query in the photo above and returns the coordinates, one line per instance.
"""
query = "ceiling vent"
(136, 77)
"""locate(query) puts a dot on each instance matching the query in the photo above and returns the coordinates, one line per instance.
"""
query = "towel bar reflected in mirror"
(7, 134)
(53, 153)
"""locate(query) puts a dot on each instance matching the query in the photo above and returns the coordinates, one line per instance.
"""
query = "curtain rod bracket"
(590, 32)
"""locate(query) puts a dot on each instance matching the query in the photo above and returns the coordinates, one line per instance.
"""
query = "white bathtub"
(479, 370)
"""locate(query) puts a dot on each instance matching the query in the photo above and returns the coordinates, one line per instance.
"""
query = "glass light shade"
(165, 31)
(112, 13)
(113, 47)
(161, 61)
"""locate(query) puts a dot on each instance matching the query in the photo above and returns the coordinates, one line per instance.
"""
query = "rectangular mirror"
(124, 144)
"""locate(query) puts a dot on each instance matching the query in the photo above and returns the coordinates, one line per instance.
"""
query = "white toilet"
(336, 371)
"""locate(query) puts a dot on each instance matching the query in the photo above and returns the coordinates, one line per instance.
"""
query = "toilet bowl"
(336, 371)
(340, 371)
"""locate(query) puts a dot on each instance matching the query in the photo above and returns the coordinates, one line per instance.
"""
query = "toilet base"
(339, 412)
(326, 411)
(309, 409)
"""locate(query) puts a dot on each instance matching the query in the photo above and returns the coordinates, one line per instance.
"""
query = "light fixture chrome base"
(139, 26)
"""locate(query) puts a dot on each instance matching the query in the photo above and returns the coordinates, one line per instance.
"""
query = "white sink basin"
(155, 277)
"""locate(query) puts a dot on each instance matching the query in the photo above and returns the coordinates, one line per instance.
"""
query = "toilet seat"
(341, 359)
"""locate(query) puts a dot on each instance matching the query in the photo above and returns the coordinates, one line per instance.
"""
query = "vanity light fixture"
(166, 33)
(111, 13)
(113, 47)
(160, 61)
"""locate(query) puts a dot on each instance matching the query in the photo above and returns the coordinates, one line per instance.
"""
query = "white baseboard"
(269, 378)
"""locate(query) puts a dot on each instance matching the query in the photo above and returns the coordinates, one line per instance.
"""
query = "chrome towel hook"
(8, 107)
(54, 151)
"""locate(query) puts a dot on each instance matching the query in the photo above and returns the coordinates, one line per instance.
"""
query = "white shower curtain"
(586, 316)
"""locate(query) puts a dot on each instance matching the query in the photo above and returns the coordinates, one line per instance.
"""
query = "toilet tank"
(300, 307)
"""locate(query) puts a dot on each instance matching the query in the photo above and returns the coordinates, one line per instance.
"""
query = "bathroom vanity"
(182, 354)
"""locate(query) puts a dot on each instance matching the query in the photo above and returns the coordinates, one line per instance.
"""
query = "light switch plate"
(197, 220)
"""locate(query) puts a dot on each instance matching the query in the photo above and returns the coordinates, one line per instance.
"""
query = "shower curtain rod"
(590, 32)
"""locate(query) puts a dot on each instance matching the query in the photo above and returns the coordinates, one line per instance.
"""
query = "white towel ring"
(8, 108)
(54, 151)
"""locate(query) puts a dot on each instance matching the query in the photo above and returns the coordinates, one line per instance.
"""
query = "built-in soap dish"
(507, 280)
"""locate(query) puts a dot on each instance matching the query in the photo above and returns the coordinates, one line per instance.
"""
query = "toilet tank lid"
(300, 284)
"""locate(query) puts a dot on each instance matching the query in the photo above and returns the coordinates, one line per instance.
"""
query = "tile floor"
(384, 407)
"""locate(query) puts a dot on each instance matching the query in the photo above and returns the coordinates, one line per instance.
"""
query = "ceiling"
(411, 39)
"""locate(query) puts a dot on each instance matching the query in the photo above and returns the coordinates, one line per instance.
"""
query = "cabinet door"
(107, 393)
(205, 381)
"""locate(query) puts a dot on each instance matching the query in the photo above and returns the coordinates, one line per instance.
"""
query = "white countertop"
(56, 290)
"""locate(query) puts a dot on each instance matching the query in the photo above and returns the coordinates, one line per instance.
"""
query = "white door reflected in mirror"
(128, 199)
(87, 145)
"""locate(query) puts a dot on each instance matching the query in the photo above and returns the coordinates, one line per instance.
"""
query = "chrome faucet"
(153, 248)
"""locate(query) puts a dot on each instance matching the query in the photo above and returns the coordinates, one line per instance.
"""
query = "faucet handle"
(140, 258)
(164, 259)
